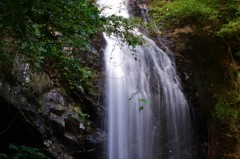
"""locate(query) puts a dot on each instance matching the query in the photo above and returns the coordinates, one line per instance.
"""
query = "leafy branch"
(142, 101)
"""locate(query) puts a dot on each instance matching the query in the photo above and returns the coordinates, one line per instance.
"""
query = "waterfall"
(147, 113)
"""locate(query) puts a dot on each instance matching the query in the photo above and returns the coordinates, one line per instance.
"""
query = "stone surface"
(52, 128)
(203, 68)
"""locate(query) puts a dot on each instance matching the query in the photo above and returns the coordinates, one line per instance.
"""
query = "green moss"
(176, 12)
(230, 30)
(227, 111)
(220, 18)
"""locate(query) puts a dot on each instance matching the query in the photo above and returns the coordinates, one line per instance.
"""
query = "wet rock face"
(187, 50)
(36, 113)
(15, 129)
(138, 8)
(48, 122)
(201, 65)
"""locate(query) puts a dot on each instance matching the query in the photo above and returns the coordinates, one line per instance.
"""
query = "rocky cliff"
(39, 113)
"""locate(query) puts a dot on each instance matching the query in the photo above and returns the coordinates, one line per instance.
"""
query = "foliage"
(176, 11)
(218, 18)
(42, 29)
(39, 82)
(78, 115)
(227, 107)
(231, 30)
(55, 38)
(142, 101)
(124, 29)
(25, 152)
(227, 110)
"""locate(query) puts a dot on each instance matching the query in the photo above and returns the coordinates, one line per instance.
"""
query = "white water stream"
(147, 113)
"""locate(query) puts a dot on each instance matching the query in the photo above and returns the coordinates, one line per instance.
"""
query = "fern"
(26, 152)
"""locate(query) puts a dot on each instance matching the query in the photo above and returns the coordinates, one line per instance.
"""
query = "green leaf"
(141, 108)
(23, 152)
(144, 101)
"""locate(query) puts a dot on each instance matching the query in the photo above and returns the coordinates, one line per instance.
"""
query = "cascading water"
(147, 113)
